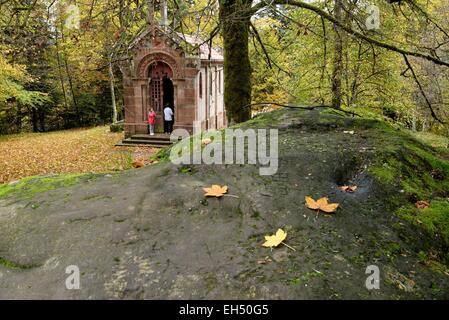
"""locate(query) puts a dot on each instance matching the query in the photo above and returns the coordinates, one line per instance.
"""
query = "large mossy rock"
(151, 233)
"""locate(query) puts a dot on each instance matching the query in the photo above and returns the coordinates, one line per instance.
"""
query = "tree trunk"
(414, 122)
(338, 57)
(34, 119)
(19, 118)
(41, 114)
(235, 21)
(61, 78)
(69, 77)
(111, 83)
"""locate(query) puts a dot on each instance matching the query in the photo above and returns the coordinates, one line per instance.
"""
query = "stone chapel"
(167, 67)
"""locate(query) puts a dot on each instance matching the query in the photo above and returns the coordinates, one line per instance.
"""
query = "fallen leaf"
(349, 189)
(321, 204)
(138, 163)
(206, 141)
(276, 239)
(421, 204)
(215, 191)
(77, 150)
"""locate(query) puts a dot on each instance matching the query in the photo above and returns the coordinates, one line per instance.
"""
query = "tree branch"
(256, 33)
(290, 106)
(432, 112)
(352, 32)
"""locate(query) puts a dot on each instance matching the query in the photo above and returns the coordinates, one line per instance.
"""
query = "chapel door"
(157, 73)
(156, 94)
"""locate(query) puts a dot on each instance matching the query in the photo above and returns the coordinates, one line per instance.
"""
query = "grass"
(433, 219)
(28, 187)
(263, 120)
(14, 265)
(414, 167)
(421, 172)
(305, 278)
(62, 152)
(434, 140)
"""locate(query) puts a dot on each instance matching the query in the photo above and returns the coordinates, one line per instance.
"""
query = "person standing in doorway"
(151, 121)
(168, 119)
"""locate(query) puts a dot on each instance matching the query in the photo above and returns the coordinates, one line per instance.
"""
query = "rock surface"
(149, 233)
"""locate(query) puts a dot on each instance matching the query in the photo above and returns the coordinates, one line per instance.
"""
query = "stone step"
(158, 137)
(147, 141)
(159, 140)
(124, 144)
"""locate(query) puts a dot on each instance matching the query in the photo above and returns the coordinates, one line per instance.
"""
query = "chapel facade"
(166, 67)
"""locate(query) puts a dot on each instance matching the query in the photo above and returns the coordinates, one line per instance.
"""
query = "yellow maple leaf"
(215, 191)
(276, 239)
(321, 204)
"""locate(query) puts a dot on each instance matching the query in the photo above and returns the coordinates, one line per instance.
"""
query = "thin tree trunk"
(19, 118)
(75, 104)
(42, 120)
(355, 82)
(323, 68)
(34, 119)
(61, 78)
(338, 57)
(111, 83)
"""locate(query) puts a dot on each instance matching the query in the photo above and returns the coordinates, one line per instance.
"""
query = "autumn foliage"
(80, 150)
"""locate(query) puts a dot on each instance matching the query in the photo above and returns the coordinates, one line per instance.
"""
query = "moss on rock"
(415, 170)
(433, 219)
(28, 187)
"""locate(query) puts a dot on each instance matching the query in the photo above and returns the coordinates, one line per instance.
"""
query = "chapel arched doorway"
(161, 86)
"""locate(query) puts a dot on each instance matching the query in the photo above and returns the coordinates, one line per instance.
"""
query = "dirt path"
(149, 233)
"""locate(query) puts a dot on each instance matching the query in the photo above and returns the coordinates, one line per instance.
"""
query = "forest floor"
(68, 151)
(150, 233)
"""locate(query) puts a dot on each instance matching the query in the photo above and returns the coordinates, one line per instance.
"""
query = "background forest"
(59, 61)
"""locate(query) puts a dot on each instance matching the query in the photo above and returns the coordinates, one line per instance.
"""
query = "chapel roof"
(193, 42)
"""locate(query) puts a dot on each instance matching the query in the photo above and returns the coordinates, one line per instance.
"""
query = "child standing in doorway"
(151, 121)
